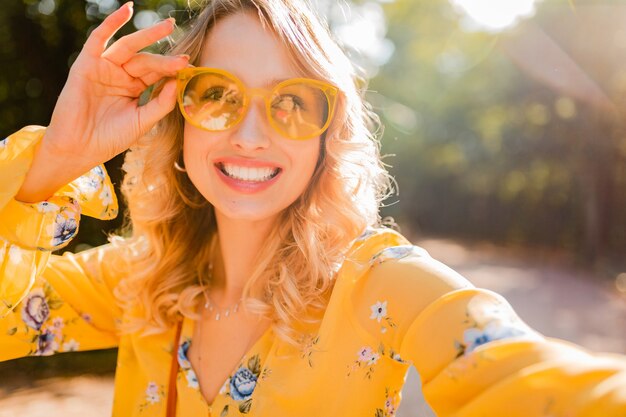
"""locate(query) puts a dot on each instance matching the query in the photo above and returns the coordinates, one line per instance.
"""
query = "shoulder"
(388, 262)
(396, 277)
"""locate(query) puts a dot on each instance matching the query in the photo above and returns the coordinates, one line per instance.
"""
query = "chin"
(250, 214)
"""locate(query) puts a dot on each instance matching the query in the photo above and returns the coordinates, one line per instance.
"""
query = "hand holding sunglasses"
(97, 115)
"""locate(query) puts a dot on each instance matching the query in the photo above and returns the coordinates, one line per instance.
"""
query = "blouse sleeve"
(475, 356)
(51, 303)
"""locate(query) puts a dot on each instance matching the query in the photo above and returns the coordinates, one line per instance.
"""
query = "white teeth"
(249, 173)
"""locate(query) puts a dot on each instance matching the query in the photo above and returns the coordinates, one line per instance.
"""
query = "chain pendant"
(212, 308)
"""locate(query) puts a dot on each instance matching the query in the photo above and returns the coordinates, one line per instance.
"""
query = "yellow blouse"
(392, 307)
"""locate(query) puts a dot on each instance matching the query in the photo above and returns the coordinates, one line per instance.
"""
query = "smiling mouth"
(248, 173)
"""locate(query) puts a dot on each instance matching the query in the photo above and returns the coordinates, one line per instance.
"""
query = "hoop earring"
(178, 167)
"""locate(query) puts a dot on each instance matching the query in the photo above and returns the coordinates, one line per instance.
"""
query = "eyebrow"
(275, 81)
(268, 84)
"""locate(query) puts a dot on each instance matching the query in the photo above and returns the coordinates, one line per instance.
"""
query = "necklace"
(211, 306)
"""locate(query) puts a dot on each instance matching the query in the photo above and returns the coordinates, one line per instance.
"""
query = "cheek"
(305, 157)
(197, 144)
(191, 140)
(196, 149)
(313, 153)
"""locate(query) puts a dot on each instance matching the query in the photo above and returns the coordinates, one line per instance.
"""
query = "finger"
(127, 46)
(142, 64)
(151, 78)
(97, 41)
(158, 107)
(132, 89)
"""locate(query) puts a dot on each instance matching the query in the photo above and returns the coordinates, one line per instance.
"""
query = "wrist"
(48, 172)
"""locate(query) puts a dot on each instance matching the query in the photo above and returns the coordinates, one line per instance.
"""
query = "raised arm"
(49, 177)
(97, 115)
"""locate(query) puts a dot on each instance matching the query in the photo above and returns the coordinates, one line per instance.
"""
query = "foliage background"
(514, 137)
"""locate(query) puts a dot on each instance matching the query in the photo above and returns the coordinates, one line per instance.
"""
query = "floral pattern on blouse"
(391, 405)
(106, 197)
(476, 336)
(379, 313)
(242, 383)
(93, 185)
(309, 343)
(369, 231)
(504, 325)
(367, 357)
(92, 193)
(65, 224)
(46, 207)
(14, 252)
(64, 230)
(185, 365)
(393, 252)
(154, 393)
(35, 310)
(239, 386)
(43, 329)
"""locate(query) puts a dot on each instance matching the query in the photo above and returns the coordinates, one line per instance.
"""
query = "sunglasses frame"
(185, 75)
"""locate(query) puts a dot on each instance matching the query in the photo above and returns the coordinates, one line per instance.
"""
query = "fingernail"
(129, 4)
(172, 20)
(186, 56)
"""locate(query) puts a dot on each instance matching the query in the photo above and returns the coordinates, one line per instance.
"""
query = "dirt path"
(61, 397)
(554, 299)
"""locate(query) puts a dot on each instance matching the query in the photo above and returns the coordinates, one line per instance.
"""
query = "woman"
(257, 279)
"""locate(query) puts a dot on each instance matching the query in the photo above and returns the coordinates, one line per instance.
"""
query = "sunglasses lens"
(212, 101)
(299, 110)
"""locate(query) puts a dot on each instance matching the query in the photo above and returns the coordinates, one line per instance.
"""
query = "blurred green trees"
(513, 137)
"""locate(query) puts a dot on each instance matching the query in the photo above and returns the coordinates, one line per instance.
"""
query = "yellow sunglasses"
(215, 100)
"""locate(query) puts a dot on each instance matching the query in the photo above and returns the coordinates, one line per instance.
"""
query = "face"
(250, 171)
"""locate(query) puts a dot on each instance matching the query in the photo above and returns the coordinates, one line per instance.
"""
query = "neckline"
(187, 333)
(361, 246)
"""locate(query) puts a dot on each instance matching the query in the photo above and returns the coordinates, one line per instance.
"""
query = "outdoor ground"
(547, 292)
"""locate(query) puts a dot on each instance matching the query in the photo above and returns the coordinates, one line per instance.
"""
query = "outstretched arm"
(475, 356)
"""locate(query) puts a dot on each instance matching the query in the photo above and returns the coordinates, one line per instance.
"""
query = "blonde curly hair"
(174, 226)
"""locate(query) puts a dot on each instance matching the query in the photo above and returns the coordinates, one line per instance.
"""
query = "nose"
(252, 132)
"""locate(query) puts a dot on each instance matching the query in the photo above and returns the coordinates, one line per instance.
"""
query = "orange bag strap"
(172, 394)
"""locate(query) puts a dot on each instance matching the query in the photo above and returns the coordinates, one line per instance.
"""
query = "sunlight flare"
(495, 16)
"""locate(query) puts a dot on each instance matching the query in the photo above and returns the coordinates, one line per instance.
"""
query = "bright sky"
(495, 15)
(363, 28)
